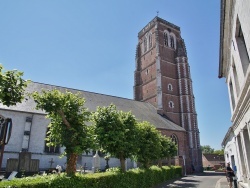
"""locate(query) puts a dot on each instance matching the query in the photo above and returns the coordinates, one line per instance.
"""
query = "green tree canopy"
(149, 144)
(12, 87)
(207, 149)
(168, 148)
(116, 132)
(68, 123)
(219, 152)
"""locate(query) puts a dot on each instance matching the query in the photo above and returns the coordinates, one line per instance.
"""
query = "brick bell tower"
(162, 78)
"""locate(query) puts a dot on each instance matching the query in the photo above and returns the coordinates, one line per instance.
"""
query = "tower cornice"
(153, 22)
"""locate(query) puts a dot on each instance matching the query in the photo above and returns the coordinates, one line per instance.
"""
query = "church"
(163, 96)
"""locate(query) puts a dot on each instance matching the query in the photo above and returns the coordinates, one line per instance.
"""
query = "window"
(171, 104)
(236, 81)
(172, 41)
(145, 44)
(147, 71)
(2, 121)
(170, 87)
(244, 57)
(165, 38)
(174, 139)
(51, 149)
(150, 40)
(233, 44)
(232, 94)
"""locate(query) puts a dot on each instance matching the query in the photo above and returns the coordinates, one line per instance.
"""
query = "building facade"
(162, 78)
(30, 126)
(213, 161)
(234, 67)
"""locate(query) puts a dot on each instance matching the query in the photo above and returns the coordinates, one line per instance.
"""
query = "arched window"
(145, 44)
(170, 87)
(174, 139)
(166, 38)
(2, 121)
(171, 41)
(150, 40)
(171, 104)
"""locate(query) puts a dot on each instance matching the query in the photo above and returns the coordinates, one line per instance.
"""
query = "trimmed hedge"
(133, 178)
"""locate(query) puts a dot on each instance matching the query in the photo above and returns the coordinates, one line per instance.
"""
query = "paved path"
(201, 180)
(222, 183)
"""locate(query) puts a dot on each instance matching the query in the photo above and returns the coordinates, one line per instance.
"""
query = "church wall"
(153, 101)
(167, 53)
(165, 86)
(183, 71)
(191, 108)
(181, 136)
(183, 87)
(163, 27)
(149, 89)
(18, 122)
(46, 158)
(37, 143)
(169, 70)
(36, 146)
(184, 103)
(147, 59)
(172, 112)
(138, 79)
(38, 133)
(176, 104)
(174, 117)
(137, 93)
(189, 87)
(149, 73)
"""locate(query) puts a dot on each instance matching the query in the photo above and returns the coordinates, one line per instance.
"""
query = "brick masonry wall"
(182, 144)
(175, 71)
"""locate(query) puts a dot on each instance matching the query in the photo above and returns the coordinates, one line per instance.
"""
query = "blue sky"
(90, 45)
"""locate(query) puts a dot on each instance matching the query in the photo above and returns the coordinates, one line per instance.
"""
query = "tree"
(219, 152)
(12, 87)
(68, 123)
(168, 149)
(116, 132)
(207, 149)
(149, 144)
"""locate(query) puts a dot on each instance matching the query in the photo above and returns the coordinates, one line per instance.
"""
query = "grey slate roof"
(143, 111)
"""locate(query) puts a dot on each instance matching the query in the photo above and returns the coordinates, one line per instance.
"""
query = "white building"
(234, 67)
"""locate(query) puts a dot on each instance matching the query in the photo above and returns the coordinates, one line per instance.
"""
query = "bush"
(133, 178)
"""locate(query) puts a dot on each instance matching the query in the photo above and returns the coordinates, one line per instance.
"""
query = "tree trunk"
(71, 164)
(169, 161)
(122, 161)
(160, 163)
